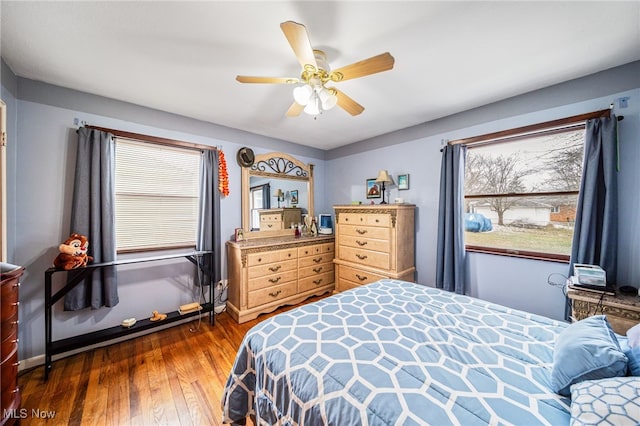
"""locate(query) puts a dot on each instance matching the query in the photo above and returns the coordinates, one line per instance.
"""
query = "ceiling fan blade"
(346, 103)
(271, 80)
(298, 38)
(375, 64)
(294, 110)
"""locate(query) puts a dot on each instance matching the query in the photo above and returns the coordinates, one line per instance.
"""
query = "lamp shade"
(328, 100)
(383, 176)
(279, 193)
(302, 94)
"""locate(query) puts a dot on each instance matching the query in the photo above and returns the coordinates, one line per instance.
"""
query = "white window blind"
(157, 193)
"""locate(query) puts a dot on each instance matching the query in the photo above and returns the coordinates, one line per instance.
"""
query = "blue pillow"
(633, 355)
(586, 350)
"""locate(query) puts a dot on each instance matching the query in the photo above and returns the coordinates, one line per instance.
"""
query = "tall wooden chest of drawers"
(374, 242)
(9, 322)
(267, 273)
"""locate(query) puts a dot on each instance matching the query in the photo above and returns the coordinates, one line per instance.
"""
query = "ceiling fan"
(312, 95)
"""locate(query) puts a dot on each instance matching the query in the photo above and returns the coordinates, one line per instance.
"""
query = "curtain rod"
(153, 139)
(533, 127)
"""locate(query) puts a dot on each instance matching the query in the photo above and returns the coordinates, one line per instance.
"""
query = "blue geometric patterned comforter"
(397, 353)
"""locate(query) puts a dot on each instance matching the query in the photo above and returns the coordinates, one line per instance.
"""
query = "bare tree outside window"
(527, 188)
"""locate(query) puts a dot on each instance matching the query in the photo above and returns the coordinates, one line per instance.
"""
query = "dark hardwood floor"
(170, 377)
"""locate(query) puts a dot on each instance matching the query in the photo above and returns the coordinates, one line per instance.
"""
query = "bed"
(394, 352)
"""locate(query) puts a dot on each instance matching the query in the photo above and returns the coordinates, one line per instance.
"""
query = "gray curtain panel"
(208, 231)
(450, 274)
(92, 214)
(595, 237)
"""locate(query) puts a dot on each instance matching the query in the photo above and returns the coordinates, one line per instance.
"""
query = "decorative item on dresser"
(9, 323)
(265, 274)
(374, 242)
(622, 310)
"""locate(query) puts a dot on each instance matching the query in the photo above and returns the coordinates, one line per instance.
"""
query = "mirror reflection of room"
(279, 193)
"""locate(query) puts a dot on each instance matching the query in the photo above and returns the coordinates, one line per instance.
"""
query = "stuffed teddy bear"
(73, 253)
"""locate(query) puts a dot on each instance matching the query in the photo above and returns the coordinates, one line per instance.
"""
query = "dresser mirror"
(276, 190)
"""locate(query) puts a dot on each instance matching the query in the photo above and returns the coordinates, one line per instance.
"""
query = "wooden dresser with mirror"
(271, 267)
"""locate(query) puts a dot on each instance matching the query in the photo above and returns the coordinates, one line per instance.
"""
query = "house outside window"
(521, 193)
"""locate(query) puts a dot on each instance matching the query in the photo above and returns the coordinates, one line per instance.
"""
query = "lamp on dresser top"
(383, 178)
(280, 196)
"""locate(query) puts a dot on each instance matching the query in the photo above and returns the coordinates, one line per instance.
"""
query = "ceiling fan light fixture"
(302, 94)
(327, 99)
(313, 107)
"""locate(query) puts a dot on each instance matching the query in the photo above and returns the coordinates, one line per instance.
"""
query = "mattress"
(397, 353)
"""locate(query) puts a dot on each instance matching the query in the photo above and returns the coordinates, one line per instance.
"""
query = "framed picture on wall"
(294, 197)
(373, 189)
(403, 182)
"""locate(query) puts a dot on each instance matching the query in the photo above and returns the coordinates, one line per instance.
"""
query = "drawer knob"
(16, 322)
(361, 256)
(275, 293)
(16, 285)
(275, 268)
(360, 277)
(16, 390)
(316, 270)
(317, 260)
(15, 364)
(274, 280)
(361, 243)
(15, 304)
(317, 282)
(361, 231)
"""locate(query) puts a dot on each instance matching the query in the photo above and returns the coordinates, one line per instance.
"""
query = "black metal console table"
(54, 347)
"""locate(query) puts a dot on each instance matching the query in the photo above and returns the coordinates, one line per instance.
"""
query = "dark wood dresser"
(10, 275)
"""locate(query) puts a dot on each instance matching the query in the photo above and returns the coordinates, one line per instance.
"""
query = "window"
(521, 193)
(157, 195)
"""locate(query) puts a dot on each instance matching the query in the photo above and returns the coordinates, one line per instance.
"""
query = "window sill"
(560, 258)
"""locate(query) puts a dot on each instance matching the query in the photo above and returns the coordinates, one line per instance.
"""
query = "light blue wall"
(41, 170)
(518, 283)
(42, 158)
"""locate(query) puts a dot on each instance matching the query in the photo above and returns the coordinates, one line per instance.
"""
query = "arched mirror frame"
(276, 165)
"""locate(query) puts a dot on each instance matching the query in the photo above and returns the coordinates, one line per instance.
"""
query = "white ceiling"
(183, 57)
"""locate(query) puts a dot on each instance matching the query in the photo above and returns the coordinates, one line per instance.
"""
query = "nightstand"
(622, 311)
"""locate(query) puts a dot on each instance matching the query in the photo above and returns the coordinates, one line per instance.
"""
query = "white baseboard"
(38, 360)
(29, 363)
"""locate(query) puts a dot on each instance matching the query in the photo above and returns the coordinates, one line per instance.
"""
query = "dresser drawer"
(310, 271)
(9, 327)
(8, 347)
(318, 280)
(266, 295)
(358, 276)
(9, 299)
(270, 256)
(366, 243)
(304, 262)
(364, 232)
(316, 249)
(272, 268)
(9, 381)
(365, 257)
(271, 280)
(270, 217)
(383, 220)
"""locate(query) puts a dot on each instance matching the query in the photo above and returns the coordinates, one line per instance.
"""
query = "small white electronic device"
(325, 224)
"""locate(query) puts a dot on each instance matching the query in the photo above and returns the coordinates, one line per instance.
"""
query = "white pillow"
(634, 336)
(612, 402)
